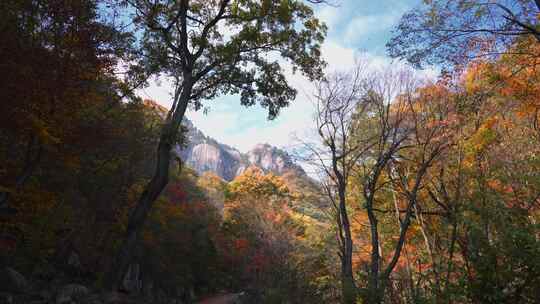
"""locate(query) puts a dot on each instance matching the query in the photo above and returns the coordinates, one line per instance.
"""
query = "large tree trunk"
(152, 190)
(348, 287)
(373, 292)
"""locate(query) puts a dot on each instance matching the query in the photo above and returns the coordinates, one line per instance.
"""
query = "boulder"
(71, 292)
(45, 272)
(92, 299)
(148, 290)
(74, 261)
(132, 280)
(13, 281)
(6, 298)
(116, 298)
(46, 295)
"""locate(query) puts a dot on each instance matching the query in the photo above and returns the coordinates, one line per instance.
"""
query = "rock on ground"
(70, 293)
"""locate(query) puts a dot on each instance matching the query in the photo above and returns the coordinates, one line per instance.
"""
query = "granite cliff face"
(204, 153)
(272, 159)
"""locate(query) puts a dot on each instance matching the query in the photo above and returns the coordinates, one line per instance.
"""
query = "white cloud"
(275, 133)
(160, 90)
(337, 56)
(218, 124)
(329, 15)
(241, 127)
(362, 26)
(225, 117)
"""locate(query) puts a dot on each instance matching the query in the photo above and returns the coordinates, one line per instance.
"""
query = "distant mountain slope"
(204, 153)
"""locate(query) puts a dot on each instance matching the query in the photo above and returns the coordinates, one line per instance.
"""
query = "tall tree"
(385, 130)
(382, 131)
(58, 56)
(215, 47)
(337, 100)
(457, 31)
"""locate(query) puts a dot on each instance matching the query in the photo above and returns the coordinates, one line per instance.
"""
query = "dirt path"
(229, 298)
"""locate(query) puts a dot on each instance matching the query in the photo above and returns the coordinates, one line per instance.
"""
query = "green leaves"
(225, 46)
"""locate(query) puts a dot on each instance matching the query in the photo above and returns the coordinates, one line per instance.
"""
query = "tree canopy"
(454, 32)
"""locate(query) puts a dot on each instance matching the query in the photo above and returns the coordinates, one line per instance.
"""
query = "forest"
(420, 189)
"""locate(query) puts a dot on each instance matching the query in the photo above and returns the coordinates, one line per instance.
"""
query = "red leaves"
(7, 243)
(259, 261)
(177, 194)
(241, 244)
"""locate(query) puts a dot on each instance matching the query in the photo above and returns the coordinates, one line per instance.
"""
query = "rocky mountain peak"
(272, 159)
(204, 153)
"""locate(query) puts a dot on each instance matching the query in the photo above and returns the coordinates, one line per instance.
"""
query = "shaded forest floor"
(228, 298)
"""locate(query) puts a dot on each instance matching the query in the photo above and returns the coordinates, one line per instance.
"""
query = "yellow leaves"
(489, 123)
(41, 128)
(474, 79)
(253, 182)
(72, 162)
(209, 180)
(38, 213)
(484, 136)
(235, 8)
(5, 189)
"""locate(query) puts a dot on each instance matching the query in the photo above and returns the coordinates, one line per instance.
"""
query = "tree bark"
(434, 265)
(373, 280)
(152, 190)
(348, 287)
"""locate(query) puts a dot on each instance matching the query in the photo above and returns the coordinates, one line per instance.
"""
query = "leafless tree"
(337, 100)
(454, 32)
(384, 132)
(412, 135)
(374, 130)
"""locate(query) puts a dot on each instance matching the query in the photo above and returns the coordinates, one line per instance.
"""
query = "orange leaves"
(494, 184)
(209, 180)
(498, 186)
(241, 244)
(514, 79)
(154, 106)
(480, 140)
(474, 79)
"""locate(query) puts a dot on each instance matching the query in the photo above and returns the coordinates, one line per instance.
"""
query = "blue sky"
(354, 27)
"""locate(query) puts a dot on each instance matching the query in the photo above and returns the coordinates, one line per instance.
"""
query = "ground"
(228, 298)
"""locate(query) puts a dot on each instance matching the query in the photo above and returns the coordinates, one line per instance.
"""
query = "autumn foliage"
(432, 184)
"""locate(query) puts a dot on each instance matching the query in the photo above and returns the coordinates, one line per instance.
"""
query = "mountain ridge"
(203, 153)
